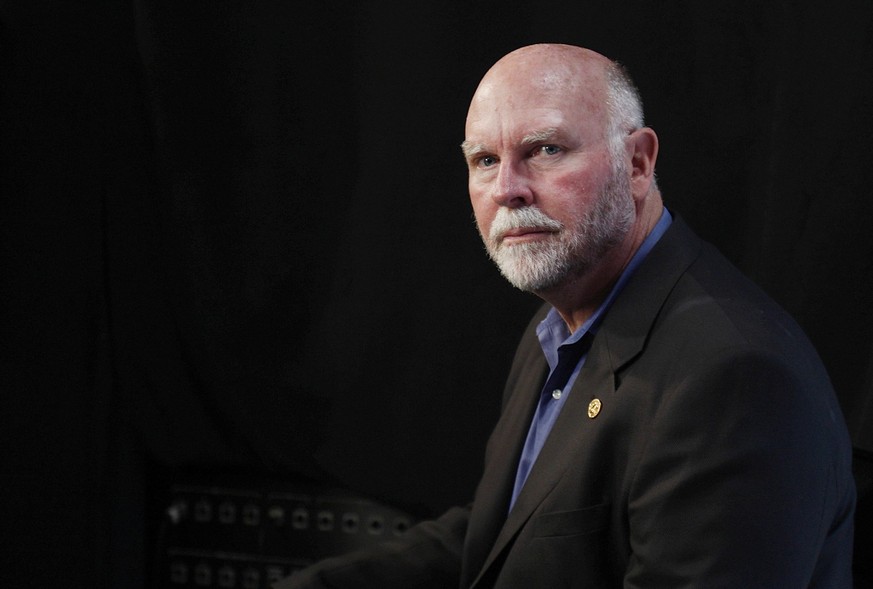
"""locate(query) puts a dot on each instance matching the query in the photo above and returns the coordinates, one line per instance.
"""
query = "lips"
(523, 234)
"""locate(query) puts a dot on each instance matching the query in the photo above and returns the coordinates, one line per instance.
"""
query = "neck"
(579, 297)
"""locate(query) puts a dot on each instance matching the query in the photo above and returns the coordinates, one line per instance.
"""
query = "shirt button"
(556, 394)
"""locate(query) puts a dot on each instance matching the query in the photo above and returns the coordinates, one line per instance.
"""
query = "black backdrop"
(235, 235)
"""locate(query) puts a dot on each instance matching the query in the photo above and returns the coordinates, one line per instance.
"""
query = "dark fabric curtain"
(236, 236)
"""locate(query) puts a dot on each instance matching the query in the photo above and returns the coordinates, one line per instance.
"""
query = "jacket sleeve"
(742, 482)
(427, 556)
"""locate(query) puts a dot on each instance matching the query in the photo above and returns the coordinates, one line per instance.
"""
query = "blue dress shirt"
(553, 333)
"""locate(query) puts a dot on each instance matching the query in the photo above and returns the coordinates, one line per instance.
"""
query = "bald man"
(665, 424)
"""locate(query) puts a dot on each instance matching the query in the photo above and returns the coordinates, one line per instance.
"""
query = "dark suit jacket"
(718, 458)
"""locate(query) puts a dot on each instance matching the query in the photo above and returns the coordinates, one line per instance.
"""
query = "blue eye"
(550, 149)
(487, 161)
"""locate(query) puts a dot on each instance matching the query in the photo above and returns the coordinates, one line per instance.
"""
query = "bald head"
(552, 66)
(589, 80)
(574, 72)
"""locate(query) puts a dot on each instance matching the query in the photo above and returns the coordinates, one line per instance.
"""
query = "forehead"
(513, 102)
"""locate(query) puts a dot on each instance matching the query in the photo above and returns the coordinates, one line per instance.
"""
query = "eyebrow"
(471, 150)
(540, 136)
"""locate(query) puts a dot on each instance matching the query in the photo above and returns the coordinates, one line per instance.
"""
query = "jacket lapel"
(491, 503)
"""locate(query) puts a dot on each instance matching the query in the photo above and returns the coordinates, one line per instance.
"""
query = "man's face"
(548, 197)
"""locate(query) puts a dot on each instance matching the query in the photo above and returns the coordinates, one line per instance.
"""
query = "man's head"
(561, 169)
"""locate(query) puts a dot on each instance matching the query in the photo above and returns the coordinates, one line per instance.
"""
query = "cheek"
(563, 196)
(580, 182)
(578, 189)
(483, 212)
(483, 219)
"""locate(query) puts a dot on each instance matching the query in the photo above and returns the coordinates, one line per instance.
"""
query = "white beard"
(571, 251)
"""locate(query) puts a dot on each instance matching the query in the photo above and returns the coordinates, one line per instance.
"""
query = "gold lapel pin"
(594, 408)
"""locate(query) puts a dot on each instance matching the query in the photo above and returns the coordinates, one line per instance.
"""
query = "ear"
(643, 146)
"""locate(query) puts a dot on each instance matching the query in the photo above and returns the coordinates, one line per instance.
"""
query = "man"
(687, 436)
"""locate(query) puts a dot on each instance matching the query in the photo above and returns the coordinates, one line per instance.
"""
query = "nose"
(511, 187)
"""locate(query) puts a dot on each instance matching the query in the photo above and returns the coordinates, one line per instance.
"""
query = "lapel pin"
(594, 408)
